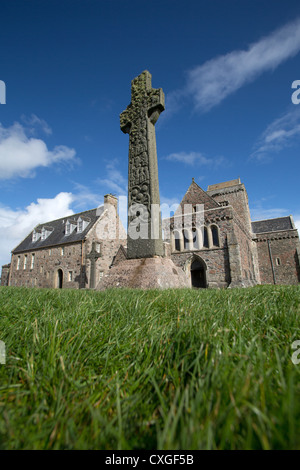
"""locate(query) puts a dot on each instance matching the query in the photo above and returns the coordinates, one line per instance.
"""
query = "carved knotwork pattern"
(146, 105)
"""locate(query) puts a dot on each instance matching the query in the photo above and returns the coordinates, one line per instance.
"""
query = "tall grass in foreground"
(128, 369)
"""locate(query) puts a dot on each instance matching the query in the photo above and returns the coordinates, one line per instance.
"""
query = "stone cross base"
(145, 273)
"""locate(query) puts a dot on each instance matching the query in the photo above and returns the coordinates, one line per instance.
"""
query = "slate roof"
(272, 225)
(58, 236)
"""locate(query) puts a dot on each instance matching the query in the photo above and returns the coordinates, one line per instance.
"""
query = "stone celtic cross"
(93, 256)
(138, 121)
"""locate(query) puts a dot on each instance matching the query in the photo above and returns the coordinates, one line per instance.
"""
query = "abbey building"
(228, 250)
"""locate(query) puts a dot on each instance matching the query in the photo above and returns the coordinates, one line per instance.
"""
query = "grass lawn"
(128, 369)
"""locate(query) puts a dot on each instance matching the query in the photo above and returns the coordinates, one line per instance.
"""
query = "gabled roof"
(58, 236)
(272, 225)
(196, 195)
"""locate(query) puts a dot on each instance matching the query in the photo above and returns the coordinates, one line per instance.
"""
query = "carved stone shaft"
(138, 120)
(93, 256)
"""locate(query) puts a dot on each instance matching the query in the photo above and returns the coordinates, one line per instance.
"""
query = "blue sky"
(226, 68)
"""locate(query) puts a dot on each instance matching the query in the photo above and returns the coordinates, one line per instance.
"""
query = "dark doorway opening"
(59, 278)
(198, 274)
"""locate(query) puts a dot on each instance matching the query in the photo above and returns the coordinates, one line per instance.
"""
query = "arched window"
(186, 242)
(196, 239)
(205, 237)
(176, 236)
(215, 235)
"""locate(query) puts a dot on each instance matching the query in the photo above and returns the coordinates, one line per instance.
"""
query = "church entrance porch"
(198, 273)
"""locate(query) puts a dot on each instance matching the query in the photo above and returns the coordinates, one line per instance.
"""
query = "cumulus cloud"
(16, 224)
(21, 155)
(281, 133)
(259, 213)
(84, 198)
(195, 158)
(33, 123)
(114, 179)
(210, 83)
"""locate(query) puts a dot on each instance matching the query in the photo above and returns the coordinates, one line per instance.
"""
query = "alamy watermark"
(2, 352)
(295, 358)
(2, 92)
(144, 222)
(296, 95)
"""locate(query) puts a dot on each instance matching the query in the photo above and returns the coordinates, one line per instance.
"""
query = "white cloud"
(21, 155)
(212, 82)
(260, 213)
(114, 179)
(33, 122)
(281, 133)
(84, 198)
(195, 158)
(15, 225)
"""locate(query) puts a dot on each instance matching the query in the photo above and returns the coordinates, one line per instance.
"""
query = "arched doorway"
(198, 273)
(59, 279)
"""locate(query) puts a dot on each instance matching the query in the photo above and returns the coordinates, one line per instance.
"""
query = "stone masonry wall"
(244, 240)
(236, 196)
(284, 256)
(216, 258)
(5, 275)
(110, 235)
(47, 262)
(216, 261)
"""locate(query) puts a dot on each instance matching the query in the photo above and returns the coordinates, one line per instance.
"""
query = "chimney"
(110, 199)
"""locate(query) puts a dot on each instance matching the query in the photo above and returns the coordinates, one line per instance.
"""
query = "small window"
(278, 262)
(18, 263)
(41, 269)
(70, 276)
(205, 237)
(97, 246)
(215, 235)
(186, 242)
(25, 262)
(176, 240)
(82, 224)
(32, 261)
(36, 235)
(50, 252)
(196, 241)
(62, 251)
(46, 231)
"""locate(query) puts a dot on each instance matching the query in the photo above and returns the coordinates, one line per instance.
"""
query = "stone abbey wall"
(236, 196)
(278, 254)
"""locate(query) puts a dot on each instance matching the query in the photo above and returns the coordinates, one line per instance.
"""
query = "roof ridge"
(271, 218)
(203, 191)
(67, 216)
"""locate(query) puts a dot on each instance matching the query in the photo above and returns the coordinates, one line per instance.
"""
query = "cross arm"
(125, 120)
(156, 104)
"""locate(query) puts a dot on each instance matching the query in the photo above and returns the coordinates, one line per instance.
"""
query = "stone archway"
(59, 279)
(198, 273)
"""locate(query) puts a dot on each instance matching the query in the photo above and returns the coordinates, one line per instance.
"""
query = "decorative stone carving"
(93, 256)
(138, 121)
